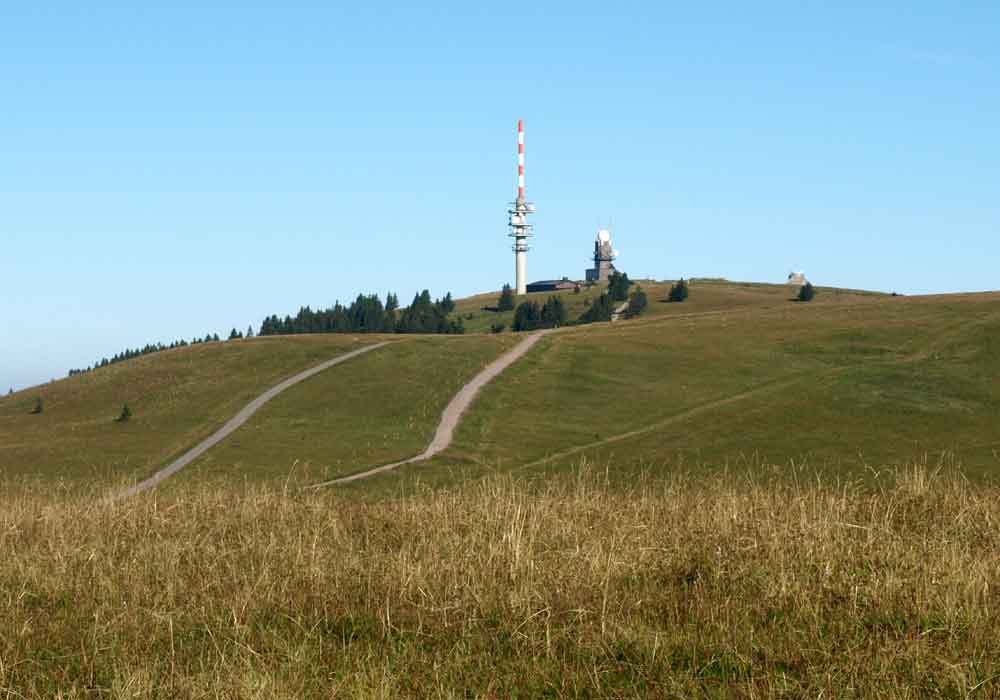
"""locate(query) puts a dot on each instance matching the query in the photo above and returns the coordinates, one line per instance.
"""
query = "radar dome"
(603, 236)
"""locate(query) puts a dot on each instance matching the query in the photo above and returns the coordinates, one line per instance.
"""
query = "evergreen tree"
(233, 335)
(553, 313)
(447, 304)
(598, 311)
(527, 317)
(249, 331)
(506, 302)
(618, 284)
(637, 303)
(125, 415)
(807, 292)
(679, 291)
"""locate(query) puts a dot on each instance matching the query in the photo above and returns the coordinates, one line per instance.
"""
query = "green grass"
(178, 397)
(840, 383)
(382, 407)
(735, 374)
(707, 295)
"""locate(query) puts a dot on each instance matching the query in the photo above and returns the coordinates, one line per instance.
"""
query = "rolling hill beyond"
(736, 374)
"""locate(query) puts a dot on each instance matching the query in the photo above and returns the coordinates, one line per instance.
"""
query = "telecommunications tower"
(520, 229)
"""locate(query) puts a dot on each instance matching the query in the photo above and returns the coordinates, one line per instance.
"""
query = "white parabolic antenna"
(603, 236)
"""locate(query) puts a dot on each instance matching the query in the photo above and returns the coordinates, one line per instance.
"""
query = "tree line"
(530, 315)
(366, 314)
(148, 349)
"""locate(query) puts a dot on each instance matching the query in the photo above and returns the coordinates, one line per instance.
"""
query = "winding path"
(452, 412)
(235, 422)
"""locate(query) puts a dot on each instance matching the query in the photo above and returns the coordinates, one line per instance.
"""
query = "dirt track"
(452, 412)
(235, 422)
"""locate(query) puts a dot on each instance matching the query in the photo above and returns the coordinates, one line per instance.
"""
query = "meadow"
(838, 383)
(738, 374)
(737, 496)
(767, 583)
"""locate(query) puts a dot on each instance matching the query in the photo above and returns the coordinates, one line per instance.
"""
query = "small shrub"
(637, 303)
(125, 415)
(679, 291)
(39, 407)
(807, 293)
(498, 327)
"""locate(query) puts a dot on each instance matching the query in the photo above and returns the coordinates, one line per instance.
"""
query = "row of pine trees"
(366, 314)
(128, 354)
(530, 315)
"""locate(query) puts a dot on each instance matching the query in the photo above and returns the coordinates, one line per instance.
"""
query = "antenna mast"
(520, 229)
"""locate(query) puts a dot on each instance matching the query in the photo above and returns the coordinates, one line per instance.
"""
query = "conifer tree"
(679, 291)
(598, 311)
(527, 317)
(637, 303)
(447, 304)
(506, 302)
(618, 284)
(553, 313)
(125, 415)
(807, 292)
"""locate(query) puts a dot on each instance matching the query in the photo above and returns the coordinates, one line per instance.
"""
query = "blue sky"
(175, 171)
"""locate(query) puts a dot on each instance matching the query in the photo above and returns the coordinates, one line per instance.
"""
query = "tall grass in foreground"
(715, 587)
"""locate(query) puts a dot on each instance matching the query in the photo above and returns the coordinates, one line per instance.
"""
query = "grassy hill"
(379, 406)
(740, 375)
(717, 542)
(737, 374)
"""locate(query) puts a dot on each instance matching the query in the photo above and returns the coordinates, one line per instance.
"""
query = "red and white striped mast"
(520, 229)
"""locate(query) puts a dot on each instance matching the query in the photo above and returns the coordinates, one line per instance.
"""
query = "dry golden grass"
(724, 586)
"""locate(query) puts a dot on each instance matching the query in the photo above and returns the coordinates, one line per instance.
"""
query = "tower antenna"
(520, 229)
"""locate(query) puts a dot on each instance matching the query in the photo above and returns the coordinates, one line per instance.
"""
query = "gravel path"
(452, 412)
(235, 422)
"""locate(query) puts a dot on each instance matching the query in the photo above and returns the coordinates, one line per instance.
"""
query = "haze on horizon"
(170, 172)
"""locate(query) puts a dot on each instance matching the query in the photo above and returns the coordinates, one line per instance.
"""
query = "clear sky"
(170, 172)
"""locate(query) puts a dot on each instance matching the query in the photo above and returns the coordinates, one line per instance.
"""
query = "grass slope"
(738, 373)
(177, 397)
(381, 408)
(842, 382)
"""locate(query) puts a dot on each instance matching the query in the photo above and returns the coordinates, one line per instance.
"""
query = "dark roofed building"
(552, 285)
